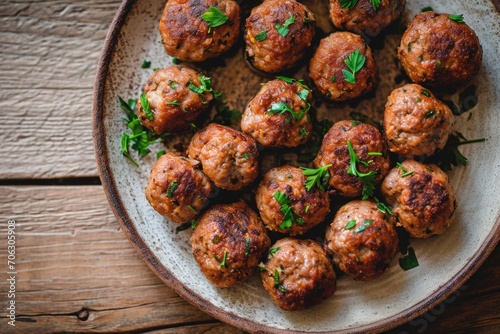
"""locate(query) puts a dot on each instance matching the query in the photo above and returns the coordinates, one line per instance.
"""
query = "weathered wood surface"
(48, 62)
(77, 273)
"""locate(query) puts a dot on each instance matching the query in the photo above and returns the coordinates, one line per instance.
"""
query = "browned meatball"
(298, 274)
(330, 72)
(278, 33)
(421, 197)
(177, 188)
(173, 105)
(363, 18)
(186, 32)
(228, 243)
(368, 145)
(285, 204)
(229, 157)
(362, 240)
(278, 116)
(437, 51)
(416, 122)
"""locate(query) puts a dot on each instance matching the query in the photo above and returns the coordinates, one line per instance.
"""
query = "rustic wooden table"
(75, 272)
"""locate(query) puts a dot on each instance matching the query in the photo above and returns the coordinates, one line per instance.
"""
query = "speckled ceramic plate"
(396, 297)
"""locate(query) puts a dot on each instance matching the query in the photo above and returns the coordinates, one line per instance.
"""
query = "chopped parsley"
(171, 188)
(282, 107)
(350, 4)
(273, 251)
(186, 225)
(363, 227)
(247, 246)
(368, 179)
(261, 36)
(146, 107)
(283, 28)
(160, 153)
(409, 261)
(316, 177)
(286, 210)
(146, 64)
(205, 86)
(223, 264)
(350, 224)
(277, 281)
(457, 18)
(382, 207)
(214, 17)
(354, 62)
(405, 172)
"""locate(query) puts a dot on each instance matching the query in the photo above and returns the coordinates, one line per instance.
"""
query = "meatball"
(362, 240)
(172, 104)
(177, 188)
(284, 203)
(189, 32)
(363, 18)
(298, 274)
(416, 122)
(437, 51)
(228, 243)
(335, 63)
(229, 157)
(421, 197)
(277, 34)
(368, 146)
(278, 116)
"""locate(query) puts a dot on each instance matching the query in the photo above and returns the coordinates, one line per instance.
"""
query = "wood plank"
(77, 272)
(48, 62)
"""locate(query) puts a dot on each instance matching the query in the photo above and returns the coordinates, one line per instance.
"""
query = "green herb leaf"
(146, 64)
(368, 179)
(363, 227)
(348, 4)
(223, 264)
(316, 177)
(261, 36)
(409, 261)
(214, 17)
(457, 18)
(171, 188)
(205, 86)
(286, 210)
(225, 115)
(425, 93)
(283, 29)
(350, 224)
(354, 62)
(375, 4)
(176, 61)
(281, 108)
(273, 251)
(247, 246)
(173, 103)
(427, 9)
(382, 207)
(146, 107)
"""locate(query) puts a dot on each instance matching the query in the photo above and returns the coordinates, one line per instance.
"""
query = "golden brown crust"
(363, 250)
(363, 19)
(305, 276)
(177, 188)
(187, 36)
(437, 51)
(173, 104)
(277, 53)
(231, 229)
(278, 129)
(416, 122)
(310, 207)
(424, 201)
(229, 158)
(328, 62)
(364, 138)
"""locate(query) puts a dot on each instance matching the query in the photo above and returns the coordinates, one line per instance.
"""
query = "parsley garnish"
(292, 80)
(173, 103)
(350, 224)
(224, 259)
(405, 172)
(281, 107)
(146, 64)
(160, 153)
(318, 177)
(141, 136)
(283, 29)
(225, 115)
(409, 261)
(363, 227)
(426, 93)
(273, 251)
(286, 210)
(382, 207)
(247, 246)
(354, 62)
(457, 18)
(261, 36)
(171, 188)
(186, 225)
(146, 107)
(368, 179)
(277, 282)
(205, 86)
(214, 17)
(349, 4)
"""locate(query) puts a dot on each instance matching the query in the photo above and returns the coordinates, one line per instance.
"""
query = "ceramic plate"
(446, 261)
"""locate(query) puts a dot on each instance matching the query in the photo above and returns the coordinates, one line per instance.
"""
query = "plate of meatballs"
(304, 166)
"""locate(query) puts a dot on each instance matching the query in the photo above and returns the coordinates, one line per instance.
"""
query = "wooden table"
(75, 270)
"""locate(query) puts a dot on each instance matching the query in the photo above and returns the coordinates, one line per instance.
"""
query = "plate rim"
(119, 210)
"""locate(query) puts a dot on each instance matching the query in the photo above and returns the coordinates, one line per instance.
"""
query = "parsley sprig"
(146, 107)
(205, 86)
(141, 137)
(316, 177)
(409, 261)
(214, 17)
(354, 62)
(282, 107)
(286, 210)
(283, 28)
(457, 18)
(350, 4)
(368, 179)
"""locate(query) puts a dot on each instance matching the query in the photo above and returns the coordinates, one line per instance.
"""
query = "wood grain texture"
(48, 62)
(77, 273)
